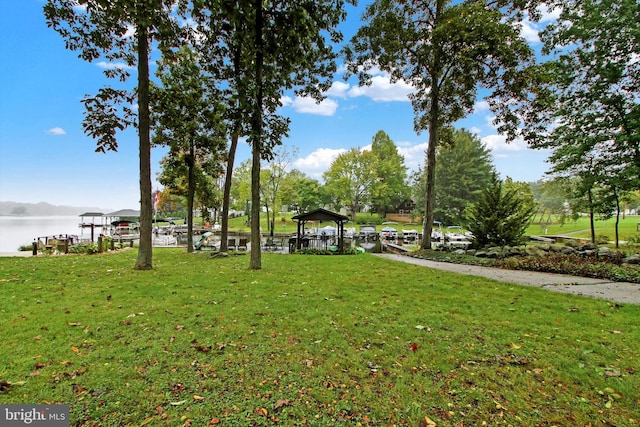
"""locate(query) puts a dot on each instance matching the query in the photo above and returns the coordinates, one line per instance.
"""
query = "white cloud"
(79, 8)
(318, 161)
(480, 106)
(56, 131)
(381, 89)
(548, 15)
(414, 154)
(498, 143)
(338, 90)
(530, 30)
(286, 101)
(308, 105)
(114, 65)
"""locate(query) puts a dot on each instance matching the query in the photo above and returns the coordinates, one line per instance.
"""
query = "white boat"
(455, 237)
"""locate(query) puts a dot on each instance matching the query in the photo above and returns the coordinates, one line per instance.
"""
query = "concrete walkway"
(621, 292)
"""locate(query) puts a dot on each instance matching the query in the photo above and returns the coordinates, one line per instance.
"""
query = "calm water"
(16, 231)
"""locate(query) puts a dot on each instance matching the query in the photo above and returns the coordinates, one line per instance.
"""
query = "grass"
(581, 229)
(308, 340)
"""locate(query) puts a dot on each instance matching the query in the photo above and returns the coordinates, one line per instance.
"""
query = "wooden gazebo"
(320, 215)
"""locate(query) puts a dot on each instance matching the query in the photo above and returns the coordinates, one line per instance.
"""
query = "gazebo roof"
(320, 215)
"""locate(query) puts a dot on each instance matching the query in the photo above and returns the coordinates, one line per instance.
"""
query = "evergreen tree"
(500, 217)
(463, 170)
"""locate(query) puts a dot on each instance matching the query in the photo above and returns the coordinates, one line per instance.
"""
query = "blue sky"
(45, 156)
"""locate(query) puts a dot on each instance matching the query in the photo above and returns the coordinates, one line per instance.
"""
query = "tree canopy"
(102, 29)
(273, 46)
(447, 51)
(188, 113)
(390, 187)
(350, 179)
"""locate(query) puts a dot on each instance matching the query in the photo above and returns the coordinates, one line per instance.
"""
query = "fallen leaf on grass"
(414, 347)
(262, 411)
(77, 389)
(427, 422)
(282, 402)
(5, 386)
(198, 398)
(147, 421)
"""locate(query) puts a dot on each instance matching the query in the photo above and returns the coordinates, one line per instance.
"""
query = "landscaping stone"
(572, 244)
(571, 248)
(605, 251)
(588, 247)
(632, 259)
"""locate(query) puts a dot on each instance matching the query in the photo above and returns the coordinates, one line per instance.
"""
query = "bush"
(595, 266)
(500, 218)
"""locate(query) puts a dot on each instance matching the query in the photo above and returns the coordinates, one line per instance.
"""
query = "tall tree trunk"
(255, 261)
(145, 250)
(617, 219)
(592, 226)
(224, 234)
(191, 190)
(434, 127)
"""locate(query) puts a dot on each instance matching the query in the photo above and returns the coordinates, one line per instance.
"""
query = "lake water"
(16, 231)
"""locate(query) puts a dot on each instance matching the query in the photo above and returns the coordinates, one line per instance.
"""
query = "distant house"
(403, 212)
(405, 207)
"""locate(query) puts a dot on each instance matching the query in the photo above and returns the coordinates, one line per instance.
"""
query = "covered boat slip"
(319, 239)
(324, 238)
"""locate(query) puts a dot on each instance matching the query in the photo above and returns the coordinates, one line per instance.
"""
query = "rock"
(532, 251)
(567, 250)
(481, 254)
(604, 251)
(588, 247)
(459, 252)
(572, 244)
(556, 248)
(632, 259)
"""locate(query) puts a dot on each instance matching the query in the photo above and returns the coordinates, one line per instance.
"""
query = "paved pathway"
(622, 292)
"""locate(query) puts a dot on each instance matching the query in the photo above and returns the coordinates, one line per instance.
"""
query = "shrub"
(610, 268)
(499, 218)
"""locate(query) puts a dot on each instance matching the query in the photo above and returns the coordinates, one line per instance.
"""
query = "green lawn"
(581, 229)
(315, 340)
